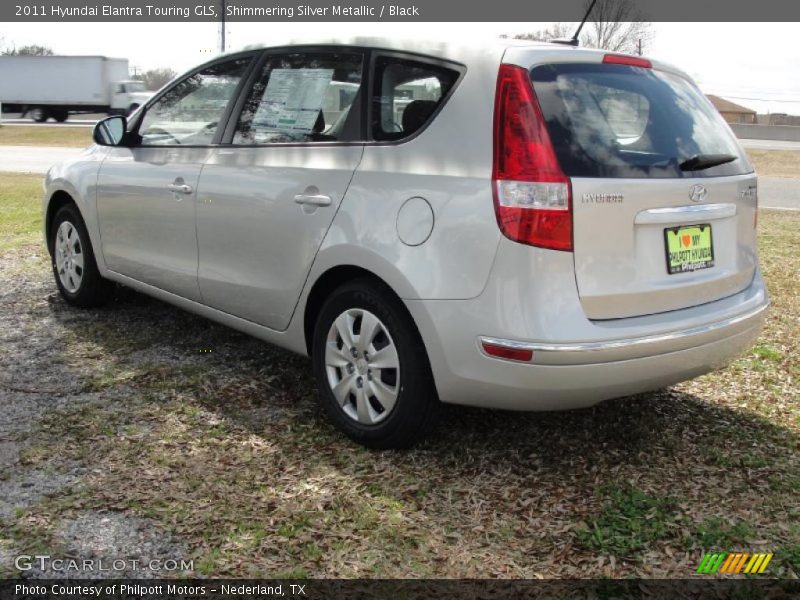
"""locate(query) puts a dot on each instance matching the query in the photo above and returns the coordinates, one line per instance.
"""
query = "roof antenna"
(573, 41)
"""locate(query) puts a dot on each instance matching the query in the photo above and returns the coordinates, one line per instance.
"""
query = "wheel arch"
(58, 199)
(330, 280)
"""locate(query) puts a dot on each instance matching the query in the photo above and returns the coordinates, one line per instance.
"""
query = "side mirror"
(110, 131)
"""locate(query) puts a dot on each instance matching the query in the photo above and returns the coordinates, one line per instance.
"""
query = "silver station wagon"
(514, 226)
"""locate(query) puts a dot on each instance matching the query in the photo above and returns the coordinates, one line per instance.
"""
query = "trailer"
(56, 86)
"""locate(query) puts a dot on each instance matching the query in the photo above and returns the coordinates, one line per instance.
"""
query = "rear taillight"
(531, 192)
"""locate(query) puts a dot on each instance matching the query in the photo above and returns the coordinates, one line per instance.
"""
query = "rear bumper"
(629, 348)
(591, 362)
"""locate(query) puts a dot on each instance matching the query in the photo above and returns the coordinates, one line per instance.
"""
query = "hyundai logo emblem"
(698, 193)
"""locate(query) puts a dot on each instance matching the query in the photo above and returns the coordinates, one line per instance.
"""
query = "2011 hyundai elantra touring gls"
(515, 226)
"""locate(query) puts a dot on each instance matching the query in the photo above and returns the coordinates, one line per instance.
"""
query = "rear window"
(407, 94)
(622, 121)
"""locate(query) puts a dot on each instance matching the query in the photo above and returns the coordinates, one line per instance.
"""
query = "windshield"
(622, 121)
(135, 86)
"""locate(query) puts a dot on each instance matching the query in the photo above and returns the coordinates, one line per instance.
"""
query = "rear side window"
(406, 95)
(303, 97)
(623, 121)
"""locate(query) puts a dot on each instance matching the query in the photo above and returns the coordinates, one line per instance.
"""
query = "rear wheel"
(61, 115)
(372, 369)
(74, 266)
(39, 114)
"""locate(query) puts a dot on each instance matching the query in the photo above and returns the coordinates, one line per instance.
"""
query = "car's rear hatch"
(663, 199)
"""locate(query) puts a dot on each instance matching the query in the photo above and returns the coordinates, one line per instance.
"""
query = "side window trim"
(133, 129)
(460, 68)
(238, 106)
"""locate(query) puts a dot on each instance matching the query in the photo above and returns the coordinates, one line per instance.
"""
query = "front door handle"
(180, 188)
(313, 199)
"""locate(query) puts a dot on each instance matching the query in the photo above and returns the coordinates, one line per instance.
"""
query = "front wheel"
(372, 369)
(74, 266)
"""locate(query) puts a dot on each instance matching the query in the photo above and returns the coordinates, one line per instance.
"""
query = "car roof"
(448, 48)
(459, 49)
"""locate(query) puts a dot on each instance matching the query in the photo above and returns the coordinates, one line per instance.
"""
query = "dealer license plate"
(689, 248)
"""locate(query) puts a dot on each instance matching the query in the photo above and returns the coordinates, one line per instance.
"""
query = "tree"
(615, 25)
(618, 26)
(552, 32)
(155, 78)
(29, 50)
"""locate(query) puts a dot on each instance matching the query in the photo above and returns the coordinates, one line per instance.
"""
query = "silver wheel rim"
(362, 366)
(69, 257)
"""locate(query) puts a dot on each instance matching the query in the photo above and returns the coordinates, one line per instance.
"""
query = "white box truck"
(55, 86)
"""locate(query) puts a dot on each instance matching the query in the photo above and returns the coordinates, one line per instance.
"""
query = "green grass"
(791, 555)
(20, 210)
(44, 135)
(628, 522)
(716, 533)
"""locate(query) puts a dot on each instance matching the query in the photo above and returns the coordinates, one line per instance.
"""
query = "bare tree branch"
(618, 26)
(614, 25)
(554, 31)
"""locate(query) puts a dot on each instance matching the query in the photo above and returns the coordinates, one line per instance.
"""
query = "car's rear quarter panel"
(449, 164)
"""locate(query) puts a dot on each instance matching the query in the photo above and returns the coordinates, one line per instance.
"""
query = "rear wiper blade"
(705, 161)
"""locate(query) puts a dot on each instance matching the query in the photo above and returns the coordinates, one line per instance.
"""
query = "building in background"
(732, 112)
(779, 119)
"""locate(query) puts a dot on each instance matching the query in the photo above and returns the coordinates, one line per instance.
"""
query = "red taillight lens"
(531, 192)
(631, 61)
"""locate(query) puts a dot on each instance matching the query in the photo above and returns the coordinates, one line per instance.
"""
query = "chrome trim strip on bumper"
(685, 214)
(625, 343)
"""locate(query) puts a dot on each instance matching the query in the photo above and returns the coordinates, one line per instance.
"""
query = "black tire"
(131, 109)
(61, 115)
(39, 114)
(417, 404)
(92, 289)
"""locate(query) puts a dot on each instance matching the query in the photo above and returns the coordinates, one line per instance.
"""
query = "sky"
(753, 64)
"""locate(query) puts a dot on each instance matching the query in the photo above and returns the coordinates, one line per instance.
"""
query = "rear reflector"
(518, 354)
(531, 192)
(631, 61)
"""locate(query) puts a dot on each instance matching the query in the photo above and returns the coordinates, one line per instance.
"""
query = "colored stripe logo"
(731, 563)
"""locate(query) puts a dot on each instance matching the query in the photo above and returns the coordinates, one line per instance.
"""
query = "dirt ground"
(137, 430)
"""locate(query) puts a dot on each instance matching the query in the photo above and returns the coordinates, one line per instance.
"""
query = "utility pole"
(222, 33)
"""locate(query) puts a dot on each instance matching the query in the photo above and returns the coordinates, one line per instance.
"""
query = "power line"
(797, 101)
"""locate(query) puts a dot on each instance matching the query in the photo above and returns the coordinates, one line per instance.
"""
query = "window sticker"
(293, 99)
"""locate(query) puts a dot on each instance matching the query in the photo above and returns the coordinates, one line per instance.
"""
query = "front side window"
(406, 95)
(303, 97)
(190, 112)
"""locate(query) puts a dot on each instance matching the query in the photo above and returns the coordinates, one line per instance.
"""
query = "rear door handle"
(180, 188)
(685, 214)
(313, 199)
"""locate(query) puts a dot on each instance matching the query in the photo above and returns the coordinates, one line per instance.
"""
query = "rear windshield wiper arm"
(705, 161)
